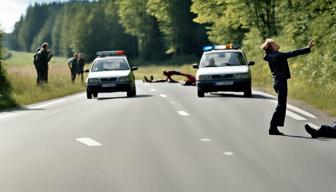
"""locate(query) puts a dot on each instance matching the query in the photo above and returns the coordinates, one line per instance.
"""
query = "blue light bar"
(208, 48)
(220, 47)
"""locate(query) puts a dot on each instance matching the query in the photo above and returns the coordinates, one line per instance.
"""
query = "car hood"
(222, 70)
(102, 74)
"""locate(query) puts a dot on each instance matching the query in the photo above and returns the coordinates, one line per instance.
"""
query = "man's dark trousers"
(278, 119)
(327, 131)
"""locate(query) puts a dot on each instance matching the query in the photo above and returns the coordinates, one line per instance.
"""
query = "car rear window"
(222, 59)
(112, 64)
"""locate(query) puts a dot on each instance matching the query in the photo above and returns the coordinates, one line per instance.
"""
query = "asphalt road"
(164, 140)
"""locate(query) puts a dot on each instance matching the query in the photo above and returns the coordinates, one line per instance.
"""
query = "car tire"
(88, 95)
(95, 94)
(134, 91)
(200, 93)
(248, 92)
(130, 93)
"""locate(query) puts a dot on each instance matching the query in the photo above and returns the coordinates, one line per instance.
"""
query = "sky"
(11, 11)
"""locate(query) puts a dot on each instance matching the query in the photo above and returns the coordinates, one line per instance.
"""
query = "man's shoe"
(311, 131)
(274, 131)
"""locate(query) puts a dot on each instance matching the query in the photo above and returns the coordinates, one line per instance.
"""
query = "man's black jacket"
(278, 62)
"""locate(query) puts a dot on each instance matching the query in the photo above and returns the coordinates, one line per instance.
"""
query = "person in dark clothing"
(278, 64)
(323, 131)
(81, 63)
(73, 66)
(44, 57)
(36, 64)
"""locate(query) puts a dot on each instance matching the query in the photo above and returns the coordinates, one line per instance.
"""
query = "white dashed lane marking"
(183, 113)
(228, 153)
(163, 95)
(205, 139)
(89, 142)
(152, 90)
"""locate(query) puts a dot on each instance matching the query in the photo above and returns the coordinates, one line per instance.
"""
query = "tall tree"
(176, 22)
(143, 26)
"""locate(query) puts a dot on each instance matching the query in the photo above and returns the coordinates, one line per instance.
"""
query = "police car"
(223, 68)
(110, 72)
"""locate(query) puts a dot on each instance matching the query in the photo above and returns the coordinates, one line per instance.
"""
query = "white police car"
(223, 68)
(110, 72)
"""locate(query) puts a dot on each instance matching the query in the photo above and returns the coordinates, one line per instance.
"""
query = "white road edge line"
(89, 142)
(295, 116)
(296, 109)
(163, 95)
(183, 113)
(47, 104)
(7, 115)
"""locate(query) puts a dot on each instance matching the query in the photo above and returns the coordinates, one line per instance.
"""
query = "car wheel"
(248, 92)
(130, 93)
(88, 95)
(95, 94)
(134, 91)
(200, 93)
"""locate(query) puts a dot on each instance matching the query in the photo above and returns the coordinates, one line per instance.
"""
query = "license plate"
(224, 83)
(109, 85)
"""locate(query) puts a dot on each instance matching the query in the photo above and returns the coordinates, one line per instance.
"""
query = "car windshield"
(110, 65)
(222, 59)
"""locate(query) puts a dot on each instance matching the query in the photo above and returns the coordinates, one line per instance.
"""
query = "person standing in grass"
(44, 56)
(81, 63)
(36, 64)
(73, 66)
(278, 64)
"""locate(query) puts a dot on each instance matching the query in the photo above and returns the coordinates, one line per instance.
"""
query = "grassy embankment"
(21, 75)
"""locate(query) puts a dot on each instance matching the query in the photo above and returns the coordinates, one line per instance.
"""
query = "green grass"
(21, 75)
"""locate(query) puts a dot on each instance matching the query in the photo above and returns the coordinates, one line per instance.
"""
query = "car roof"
(111, 57)
(224, 50)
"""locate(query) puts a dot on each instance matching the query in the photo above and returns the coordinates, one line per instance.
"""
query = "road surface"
(164, 140)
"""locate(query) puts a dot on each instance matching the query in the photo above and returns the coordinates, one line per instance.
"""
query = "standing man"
(44, 57)
(36, 64)
(278, 64)
(81, 63)
(73, 66)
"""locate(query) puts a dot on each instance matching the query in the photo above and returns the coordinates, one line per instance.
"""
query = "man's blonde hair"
(266, 45)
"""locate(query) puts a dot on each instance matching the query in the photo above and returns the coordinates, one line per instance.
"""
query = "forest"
(164, 29)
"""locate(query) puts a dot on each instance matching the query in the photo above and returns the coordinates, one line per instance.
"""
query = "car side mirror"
(195, 66)
(86, 71)
(251, 63)
(134, 68)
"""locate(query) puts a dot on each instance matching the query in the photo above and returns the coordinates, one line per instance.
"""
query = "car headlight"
(127, 78)
(93, 80)
(241, 76)
(204, 77)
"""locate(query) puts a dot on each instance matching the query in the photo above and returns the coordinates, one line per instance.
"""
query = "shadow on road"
(138, 96)
(254, 96)
(305, 137)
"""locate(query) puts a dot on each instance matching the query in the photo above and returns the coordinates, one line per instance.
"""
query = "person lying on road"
(323, 131)
(191, 80)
